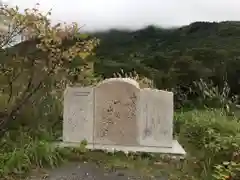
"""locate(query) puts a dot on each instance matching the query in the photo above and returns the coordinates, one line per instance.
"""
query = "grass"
(19, 154)
(208, 136)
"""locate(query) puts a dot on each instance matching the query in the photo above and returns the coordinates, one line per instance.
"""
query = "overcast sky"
(134, 14)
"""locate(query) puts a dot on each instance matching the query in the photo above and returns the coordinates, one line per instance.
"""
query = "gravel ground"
(89, 171)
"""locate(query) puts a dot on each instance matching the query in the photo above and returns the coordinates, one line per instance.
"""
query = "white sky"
(134, 14)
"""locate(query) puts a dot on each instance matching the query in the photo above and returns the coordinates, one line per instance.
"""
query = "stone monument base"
(176, 148)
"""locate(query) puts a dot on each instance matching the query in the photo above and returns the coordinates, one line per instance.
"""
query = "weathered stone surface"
(115, 112)
(155, 117)
(78, 114)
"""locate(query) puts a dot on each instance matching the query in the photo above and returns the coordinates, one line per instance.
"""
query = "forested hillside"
(174, 57)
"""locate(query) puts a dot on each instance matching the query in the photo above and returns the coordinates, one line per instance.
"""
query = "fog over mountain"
(135, 14)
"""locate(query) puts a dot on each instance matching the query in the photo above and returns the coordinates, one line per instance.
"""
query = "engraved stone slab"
(118, 115)
(78, 114)
(115, 112)
(155, 115)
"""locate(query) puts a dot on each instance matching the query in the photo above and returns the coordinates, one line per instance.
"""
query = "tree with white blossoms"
(40, 65)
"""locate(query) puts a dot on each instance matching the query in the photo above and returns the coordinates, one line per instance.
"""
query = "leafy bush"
(227, 170)
(41, 65)
(211, 135)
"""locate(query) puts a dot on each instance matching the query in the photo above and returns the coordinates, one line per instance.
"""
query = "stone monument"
(118, 115)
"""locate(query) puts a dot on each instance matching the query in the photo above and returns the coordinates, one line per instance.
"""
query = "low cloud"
(135, 14)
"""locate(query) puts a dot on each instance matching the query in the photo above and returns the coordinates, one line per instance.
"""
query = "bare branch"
(11, 81)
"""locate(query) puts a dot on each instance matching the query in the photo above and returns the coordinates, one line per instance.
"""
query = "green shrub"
(210, 135)
(227, 170)
(19, 154)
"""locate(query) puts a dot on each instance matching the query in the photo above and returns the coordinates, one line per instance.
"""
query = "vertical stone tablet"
(78, 114)
(115, 112)
(155, 115)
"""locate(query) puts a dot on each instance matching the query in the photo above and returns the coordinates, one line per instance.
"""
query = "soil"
(90, 171)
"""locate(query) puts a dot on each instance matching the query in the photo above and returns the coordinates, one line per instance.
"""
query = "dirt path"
(90, 171)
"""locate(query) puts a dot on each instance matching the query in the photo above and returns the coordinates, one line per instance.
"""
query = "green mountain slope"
(174, 57)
